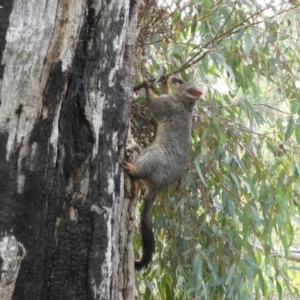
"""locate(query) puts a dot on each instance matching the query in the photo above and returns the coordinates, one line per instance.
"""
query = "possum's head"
(186, 92)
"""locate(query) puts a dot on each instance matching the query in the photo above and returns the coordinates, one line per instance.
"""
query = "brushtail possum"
(162, 163)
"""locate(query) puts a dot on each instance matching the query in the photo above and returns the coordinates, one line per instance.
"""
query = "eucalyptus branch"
(218, 38)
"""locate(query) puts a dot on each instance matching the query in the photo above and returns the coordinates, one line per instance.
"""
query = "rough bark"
(65, 93)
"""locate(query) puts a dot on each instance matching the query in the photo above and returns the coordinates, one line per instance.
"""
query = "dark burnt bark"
(63, 131)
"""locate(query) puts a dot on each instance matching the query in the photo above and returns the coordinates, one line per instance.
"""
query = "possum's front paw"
(146, 84)
(130, 168)
(132, 151)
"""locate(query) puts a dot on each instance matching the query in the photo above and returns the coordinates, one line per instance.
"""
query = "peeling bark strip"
(12, 254)
(64, 107)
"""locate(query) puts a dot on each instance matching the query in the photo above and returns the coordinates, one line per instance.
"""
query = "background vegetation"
(230, 228)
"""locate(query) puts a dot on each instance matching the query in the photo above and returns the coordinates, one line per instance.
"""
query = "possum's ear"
(193, 93)
(164, 85)
(176, 80)
(176, 84)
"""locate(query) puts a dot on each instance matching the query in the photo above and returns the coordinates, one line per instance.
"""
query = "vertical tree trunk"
(65, 94)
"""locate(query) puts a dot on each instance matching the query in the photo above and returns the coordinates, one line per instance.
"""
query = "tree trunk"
(65, 95)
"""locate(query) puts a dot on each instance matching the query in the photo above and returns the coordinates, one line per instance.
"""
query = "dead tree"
(65, 96)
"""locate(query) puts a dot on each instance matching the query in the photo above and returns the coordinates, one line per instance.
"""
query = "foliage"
(225, 231)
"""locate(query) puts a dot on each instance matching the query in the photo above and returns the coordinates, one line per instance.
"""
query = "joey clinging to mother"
(162, 163)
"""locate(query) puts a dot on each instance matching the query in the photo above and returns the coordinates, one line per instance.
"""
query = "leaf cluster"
(226, 230)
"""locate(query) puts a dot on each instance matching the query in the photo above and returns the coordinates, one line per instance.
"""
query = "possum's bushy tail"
(148, 241)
